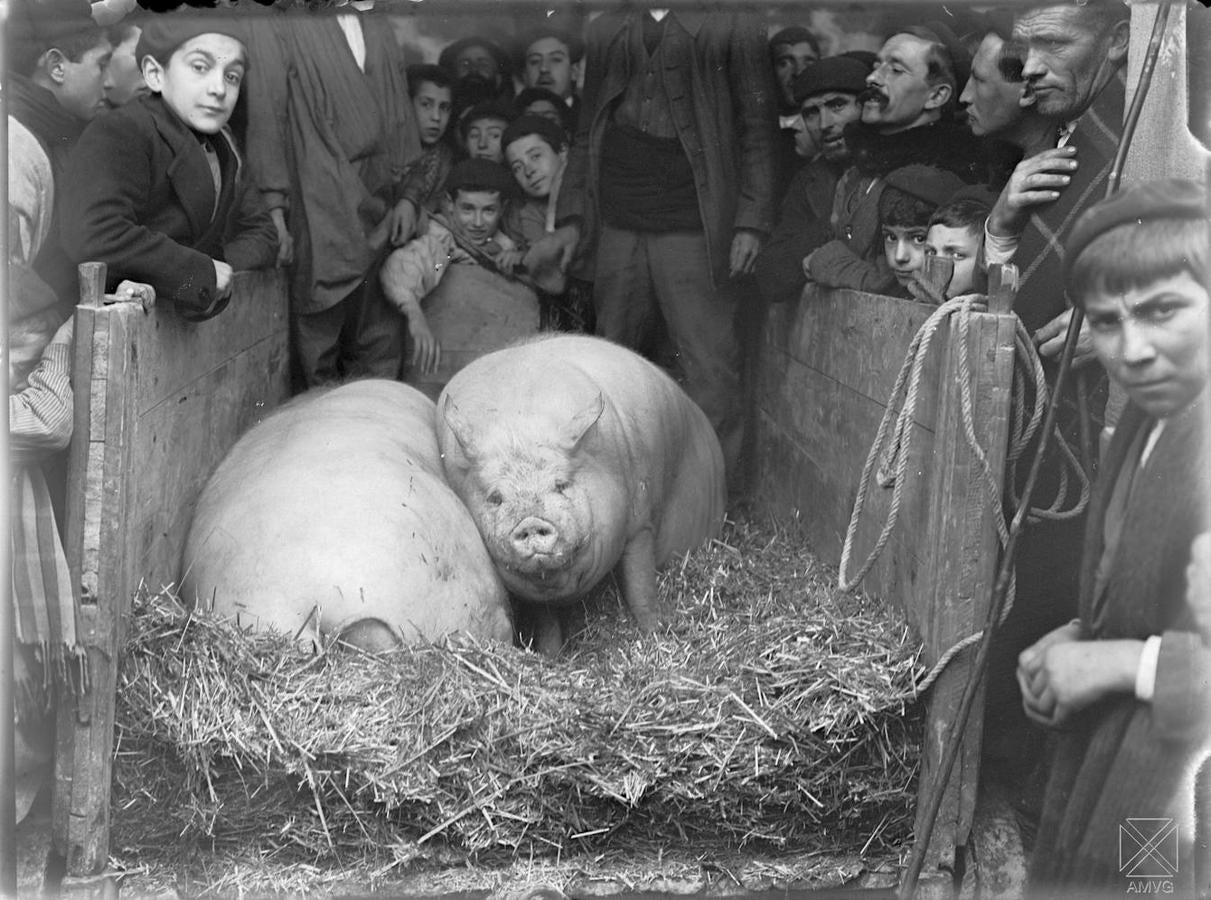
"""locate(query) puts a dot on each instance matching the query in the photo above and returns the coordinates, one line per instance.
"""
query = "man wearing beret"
(827, 93)
(331, 131)
(1127, 684)
(668, 192)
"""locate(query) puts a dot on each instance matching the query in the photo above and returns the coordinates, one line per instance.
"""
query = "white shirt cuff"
(998, 250)
(1145, 675)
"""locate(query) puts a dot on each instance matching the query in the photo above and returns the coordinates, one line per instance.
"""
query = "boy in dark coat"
(1128, 684)
(156, 189)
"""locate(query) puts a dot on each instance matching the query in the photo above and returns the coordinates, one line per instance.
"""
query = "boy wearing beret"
(1127, 685)
(156, 189)
(466, 232)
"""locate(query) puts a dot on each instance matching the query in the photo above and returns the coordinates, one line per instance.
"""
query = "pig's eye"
(495, 499)
(562, 486)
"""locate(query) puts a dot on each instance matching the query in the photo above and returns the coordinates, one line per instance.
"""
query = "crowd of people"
(652, 176)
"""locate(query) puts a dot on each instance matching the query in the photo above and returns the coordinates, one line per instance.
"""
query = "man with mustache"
(827, 96)
(907, 117)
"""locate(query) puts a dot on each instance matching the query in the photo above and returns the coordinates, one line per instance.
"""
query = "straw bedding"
(774, 713)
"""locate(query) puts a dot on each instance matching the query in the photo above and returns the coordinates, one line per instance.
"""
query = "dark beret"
(928, 183)
(43, 22)
(482, 174)
(868, 58)
(448, 55)
(539, 125)
(794, 34)
(165, 32)
(835, 73)
(572, 41)
(1149, 201)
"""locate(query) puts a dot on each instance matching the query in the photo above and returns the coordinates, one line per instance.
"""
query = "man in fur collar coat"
(907, 117)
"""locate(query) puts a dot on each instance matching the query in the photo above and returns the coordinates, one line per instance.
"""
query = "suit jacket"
(721, 95)
(1121, 757)
(802, 227)
(139, 196)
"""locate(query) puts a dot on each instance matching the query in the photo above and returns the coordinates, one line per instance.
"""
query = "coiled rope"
(887, 461)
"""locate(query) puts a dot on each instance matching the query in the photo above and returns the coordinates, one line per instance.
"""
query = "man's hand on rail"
(1050, 340)
(133, 292)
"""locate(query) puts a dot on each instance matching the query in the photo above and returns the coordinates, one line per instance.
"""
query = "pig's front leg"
(637, 579)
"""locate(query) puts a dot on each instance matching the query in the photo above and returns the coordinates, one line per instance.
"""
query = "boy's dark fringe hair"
(1133, 256)
(901, 210)
(420, 73)
(966, 212)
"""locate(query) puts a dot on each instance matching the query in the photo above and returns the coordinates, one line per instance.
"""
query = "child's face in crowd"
(960, 245)
(904, 247)
(476, 214)
(82, 89)
(1153, 341)
(432, 105)
(201, 82)
(483, 139)
(534, 164)
(549, 65)
(124, 80)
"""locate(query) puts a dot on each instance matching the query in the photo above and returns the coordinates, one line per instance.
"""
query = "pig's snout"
(534, 536)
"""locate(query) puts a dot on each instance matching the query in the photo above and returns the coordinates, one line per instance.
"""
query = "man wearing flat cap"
(827, 96)
(1126, 686)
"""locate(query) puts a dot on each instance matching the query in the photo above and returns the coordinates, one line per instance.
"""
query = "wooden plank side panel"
(828, 366)
(158, 402)
(206, 383)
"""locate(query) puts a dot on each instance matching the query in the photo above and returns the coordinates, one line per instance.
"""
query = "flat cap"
(165, 32)
(1149, 201)
(928, 183)
(834, 73)
(480, 174)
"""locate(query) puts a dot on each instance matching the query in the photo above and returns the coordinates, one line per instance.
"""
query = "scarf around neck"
(37, 109)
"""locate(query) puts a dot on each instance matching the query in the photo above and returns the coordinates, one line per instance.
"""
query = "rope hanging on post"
(890, 453)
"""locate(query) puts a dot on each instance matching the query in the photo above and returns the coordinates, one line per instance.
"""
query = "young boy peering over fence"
(157, 189)
(1127, 685)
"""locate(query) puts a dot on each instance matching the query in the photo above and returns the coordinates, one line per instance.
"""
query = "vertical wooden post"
(97, 473)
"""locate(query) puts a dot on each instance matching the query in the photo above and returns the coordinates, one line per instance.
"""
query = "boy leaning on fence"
(157, 189)
(1127, 685)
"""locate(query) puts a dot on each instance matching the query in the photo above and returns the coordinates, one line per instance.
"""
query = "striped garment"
(40, 423)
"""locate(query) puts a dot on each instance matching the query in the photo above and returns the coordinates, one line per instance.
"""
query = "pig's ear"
(459, 426)
(579, 425)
